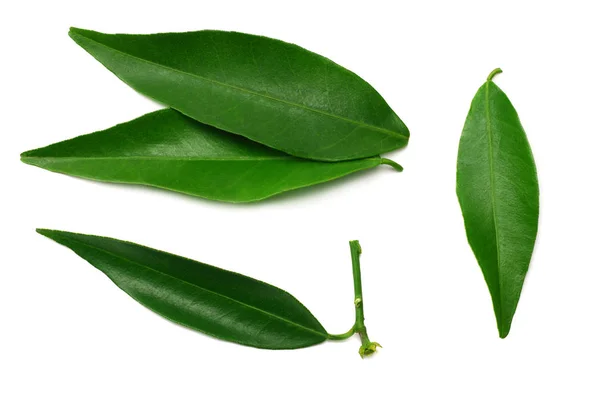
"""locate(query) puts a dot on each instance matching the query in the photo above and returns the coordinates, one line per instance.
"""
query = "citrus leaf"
(220, 303)
(272, 92)
(169, 150)
(498, 192)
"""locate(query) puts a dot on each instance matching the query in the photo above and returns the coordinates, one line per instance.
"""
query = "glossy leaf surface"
(169, 150)
(498, 192)
(272, 92)
(211, 300)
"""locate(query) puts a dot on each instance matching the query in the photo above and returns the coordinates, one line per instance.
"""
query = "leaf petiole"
(342, 336)
(393, 164)
(493, 74)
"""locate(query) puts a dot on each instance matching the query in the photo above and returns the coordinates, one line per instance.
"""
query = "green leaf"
(169, 150)
(498, 192)
(211, 300)
(272, 92)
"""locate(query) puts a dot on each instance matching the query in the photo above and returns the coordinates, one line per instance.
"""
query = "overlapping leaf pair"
(250, 117)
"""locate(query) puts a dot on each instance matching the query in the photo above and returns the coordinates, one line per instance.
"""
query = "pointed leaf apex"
(503, 331)
(75, 33)
(74, 29)
(44, 232)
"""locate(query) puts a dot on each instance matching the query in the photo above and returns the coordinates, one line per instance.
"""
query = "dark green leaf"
(498, 192)
(169, 150)
(272, 92)
(211, 300)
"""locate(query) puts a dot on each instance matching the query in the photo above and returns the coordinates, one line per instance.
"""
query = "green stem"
(342, 336)
(367, 347)
(359, 327)
(393, 164)
(355, 251)
(493, 74)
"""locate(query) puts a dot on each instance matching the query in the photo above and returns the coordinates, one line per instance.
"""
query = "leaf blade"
(208, 299)
(306, 106)
(498, 192)
(168, 150)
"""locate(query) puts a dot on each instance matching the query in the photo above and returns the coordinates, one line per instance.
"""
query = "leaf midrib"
(359, 123)
(204, 289)
(160, 158)
(488, 122)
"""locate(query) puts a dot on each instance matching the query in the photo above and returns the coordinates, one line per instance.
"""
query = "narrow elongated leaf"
(169, 150)
(498, 192)
(272, 92)
(211, 300)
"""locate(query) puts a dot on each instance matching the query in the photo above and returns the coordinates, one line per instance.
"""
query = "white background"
(69, 333)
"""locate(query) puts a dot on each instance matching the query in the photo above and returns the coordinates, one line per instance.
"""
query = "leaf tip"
(53, 234)
(44, 232)
(28, 154)
(493, 74)
(77, 33)
(74, 30)
(30, 157)
(503, 330)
